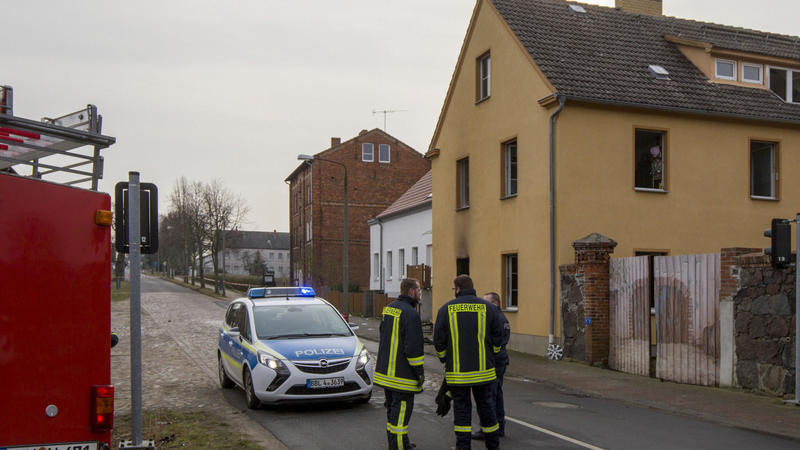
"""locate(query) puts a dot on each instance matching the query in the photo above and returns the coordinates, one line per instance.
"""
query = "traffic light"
(780, 252)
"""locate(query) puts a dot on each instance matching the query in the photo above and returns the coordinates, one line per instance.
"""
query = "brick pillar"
(729, 270)
(592, 255)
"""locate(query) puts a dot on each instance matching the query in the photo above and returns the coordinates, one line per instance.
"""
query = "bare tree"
(225, 211)
(180, 203)
(200, 226)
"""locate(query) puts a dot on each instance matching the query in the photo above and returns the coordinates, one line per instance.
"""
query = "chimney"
(651, 7)
(335, 141)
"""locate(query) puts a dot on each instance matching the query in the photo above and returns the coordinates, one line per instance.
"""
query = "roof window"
(577, 9)
(659, 72)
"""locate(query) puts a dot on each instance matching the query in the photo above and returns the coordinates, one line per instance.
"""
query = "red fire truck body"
(55, 342)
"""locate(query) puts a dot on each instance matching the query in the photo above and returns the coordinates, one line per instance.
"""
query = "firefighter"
(400, 356)
(467, 335)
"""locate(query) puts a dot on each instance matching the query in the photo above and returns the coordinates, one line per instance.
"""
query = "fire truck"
(55, 281)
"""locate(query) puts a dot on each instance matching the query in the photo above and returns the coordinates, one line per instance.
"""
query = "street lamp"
(346, 267)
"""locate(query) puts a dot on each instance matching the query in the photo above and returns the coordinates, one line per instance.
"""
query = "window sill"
(657, 191)
(769, 199)
(462, 208)
(513, 309)
(481, 100)
(506, 197)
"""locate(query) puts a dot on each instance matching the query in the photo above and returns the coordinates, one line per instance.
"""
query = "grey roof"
(603, 56)
(268, 240)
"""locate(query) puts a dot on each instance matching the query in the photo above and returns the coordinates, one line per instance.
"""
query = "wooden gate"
(687, 318)
(629, 315)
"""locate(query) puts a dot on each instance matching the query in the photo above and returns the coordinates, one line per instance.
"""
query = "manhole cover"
(558, 405)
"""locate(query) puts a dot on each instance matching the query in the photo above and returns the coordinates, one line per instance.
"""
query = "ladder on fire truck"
(71, 143)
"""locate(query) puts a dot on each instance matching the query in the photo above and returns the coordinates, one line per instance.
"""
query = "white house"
(401, 235)
(241, 248)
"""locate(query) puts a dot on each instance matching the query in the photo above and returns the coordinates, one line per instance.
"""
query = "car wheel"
(224, 380)
(249, 393)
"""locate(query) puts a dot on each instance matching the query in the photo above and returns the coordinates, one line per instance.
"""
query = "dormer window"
(725, 69)
(752, 73)
(784, 83)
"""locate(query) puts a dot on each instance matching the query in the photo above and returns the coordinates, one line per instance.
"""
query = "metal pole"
(223, 261)
(134, 245)
(346, 268)
(797, 311)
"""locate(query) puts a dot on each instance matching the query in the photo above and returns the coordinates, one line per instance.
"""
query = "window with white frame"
(376, 264)
(389, 265)
(763, 173)
(384, 151)
(462, 178)
(401, 262)
(484, 88)
(308, 231)
(510, 168)
(510, 282)
(367, 152)
(752, 73)
(784, 83)
(414, 256)
(725, 69)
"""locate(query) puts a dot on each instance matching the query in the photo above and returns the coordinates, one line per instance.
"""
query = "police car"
(285, 344)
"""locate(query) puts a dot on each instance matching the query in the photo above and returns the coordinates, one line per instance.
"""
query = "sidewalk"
(727, 406)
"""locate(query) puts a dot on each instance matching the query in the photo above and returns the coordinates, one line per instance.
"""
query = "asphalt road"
(539, 416)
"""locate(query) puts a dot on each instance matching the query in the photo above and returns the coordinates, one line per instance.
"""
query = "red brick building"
(380, 169)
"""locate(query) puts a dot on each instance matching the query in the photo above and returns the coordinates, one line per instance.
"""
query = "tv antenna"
(385, 112)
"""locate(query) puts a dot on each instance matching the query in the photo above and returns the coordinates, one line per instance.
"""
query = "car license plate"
(319, 383)
(68, 446)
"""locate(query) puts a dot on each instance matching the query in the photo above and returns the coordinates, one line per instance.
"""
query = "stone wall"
(573, 322)
(764, 309)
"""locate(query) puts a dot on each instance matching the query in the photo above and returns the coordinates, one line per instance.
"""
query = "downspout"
(380, 254)
(561, 100)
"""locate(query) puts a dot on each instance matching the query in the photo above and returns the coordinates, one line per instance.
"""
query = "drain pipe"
(561, 100)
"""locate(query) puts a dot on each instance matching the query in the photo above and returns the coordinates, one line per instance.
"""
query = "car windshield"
(298, 321)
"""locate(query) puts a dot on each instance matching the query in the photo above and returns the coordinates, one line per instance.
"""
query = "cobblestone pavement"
(179, 341)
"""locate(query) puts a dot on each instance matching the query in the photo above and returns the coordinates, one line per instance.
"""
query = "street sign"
(148, 215)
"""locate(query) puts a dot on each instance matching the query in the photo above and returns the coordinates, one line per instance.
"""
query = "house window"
(429, 258)
(462, 179)
(462, 266)
(383, 153)
(414, 256)
(752, 73)
(763, 173)
(510, 286)
(280, 255)
(308, 188)
(484, 64)
(784, 83)
(271, 256)
(401, 262)
(389, 265)
(649, 157)
(726, 69)
(367, 152)
(510, 169)
(308, 231)
(376, 266)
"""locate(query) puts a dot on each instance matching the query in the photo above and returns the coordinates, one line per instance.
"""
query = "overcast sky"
(234, 90)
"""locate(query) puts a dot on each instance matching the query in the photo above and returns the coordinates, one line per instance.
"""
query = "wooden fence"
(360, 303)
(629, 315)
(687, 318)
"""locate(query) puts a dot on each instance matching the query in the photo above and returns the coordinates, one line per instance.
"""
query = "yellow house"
(667, 135)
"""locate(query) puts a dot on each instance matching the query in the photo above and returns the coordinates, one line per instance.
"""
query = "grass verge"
(207, 291)
(180, 429)
(122, 293)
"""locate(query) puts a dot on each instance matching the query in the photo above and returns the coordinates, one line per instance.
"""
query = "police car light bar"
(295, 291)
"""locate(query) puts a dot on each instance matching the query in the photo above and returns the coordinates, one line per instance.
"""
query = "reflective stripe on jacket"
(467, 335)
(400, 352)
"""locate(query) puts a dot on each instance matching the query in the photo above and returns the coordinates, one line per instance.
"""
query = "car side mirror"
(234, 331)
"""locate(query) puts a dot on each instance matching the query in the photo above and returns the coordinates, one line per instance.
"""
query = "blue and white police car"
(285, 344)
